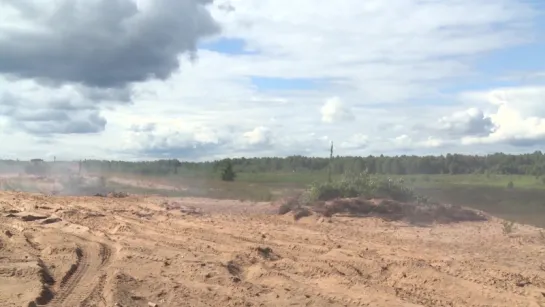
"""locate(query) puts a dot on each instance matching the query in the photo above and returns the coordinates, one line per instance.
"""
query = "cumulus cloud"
(44, 111)
(49, 122)
(519, 116)
(64, 61)
(174, 139)
(99, 43)
(471, 122)
(258, 136)
(334, 111)
(193, 141)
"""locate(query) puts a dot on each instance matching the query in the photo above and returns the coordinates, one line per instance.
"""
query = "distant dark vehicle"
(37, 167)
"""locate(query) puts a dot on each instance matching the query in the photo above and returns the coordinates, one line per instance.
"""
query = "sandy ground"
(93, 251)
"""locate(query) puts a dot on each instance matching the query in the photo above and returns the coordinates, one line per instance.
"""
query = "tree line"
(498, 163)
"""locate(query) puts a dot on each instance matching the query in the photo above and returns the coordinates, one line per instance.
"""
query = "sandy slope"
(132, 251)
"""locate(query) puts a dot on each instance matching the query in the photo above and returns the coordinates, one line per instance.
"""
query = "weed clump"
(508, 227)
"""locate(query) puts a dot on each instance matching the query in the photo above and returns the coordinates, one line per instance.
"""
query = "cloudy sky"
(203, 79)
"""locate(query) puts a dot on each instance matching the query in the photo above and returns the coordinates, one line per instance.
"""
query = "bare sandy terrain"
(95, 251)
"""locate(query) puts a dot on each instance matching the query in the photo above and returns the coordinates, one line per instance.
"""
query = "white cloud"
(408, 143)
(471, 122)
(519, 116)
(432, 142)
(258, 136)
(334, 111)
(382, 51)
(356, 141)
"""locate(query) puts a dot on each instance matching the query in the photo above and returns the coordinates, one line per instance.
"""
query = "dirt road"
(93, 251)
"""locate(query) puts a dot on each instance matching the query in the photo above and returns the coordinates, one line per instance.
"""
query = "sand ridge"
(98, 251)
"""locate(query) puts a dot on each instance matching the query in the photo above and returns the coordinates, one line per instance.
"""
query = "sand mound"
(386, 209)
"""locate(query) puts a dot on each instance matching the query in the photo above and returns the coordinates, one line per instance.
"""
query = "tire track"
(85, 281)
(105, 253)
(96, 293)
(72, 277)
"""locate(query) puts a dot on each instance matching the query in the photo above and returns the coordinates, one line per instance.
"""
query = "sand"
(96, 251)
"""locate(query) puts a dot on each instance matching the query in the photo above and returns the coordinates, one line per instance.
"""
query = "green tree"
(176, 164)
(329, 164)
(228, 174)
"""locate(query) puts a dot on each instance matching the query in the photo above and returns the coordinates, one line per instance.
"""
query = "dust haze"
(52, 178)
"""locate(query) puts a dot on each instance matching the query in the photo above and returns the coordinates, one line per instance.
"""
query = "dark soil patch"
(387, 209)
(410, 212)
(267, 253)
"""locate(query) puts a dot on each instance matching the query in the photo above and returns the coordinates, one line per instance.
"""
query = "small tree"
(176, 164)
(329, 164)
(228, 174)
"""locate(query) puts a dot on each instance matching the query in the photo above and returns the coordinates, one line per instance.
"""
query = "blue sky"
(489, 67)
(238, 47)
(226, 45)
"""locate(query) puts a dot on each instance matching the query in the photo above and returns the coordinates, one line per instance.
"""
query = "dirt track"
(133, 251)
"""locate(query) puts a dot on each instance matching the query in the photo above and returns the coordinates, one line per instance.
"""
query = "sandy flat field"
(142, 251)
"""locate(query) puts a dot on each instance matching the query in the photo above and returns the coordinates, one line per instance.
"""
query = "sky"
(203, 80)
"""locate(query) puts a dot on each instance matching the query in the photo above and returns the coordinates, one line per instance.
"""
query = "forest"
(455, 164)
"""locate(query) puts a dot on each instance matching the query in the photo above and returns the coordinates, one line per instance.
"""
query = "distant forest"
(499, 163)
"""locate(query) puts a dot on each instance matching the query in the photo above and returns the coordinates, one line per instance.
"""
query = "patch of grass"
(526, 206)
(490, 180)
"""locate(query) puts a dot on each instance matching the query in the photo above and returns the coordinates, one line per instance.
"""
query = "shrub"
(508, 227)
(510, 185)
(394, 190)
(360, 185)
(228, 174)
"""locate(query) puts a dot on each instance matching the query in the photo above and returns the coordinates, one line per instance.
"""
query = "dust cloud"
(54, 178)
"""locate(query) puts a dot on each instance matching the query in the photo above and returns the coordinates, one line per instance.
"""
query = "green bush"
(360, 185)
(228, 174)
